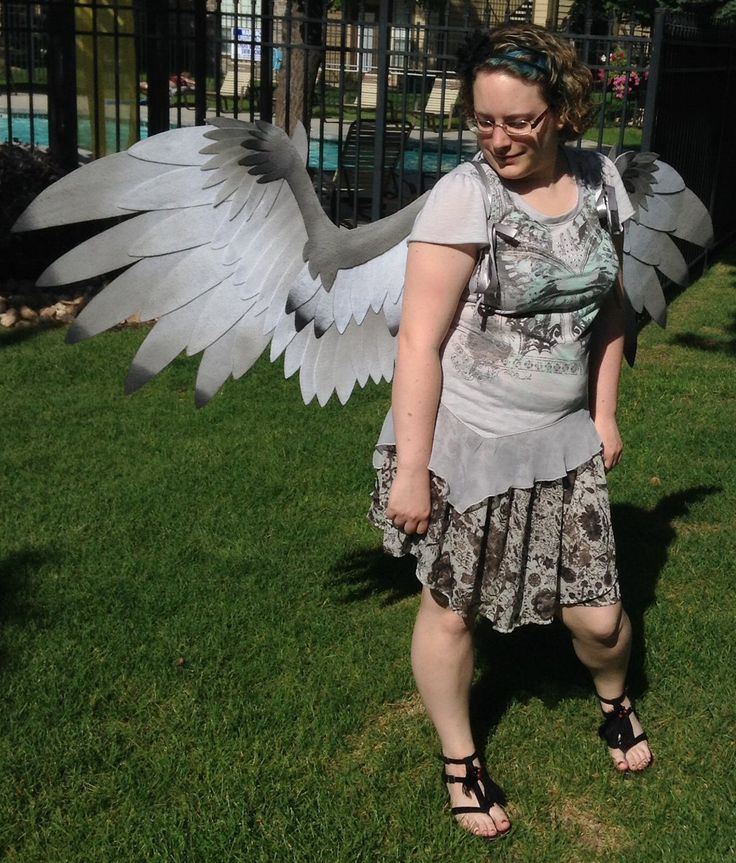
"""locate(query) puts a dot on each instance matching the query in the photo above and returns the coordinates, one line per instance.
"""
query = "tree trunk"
(302, 29)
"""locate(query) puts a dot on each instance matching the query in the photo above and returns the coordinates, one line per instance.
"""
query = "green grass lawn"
(204, 655)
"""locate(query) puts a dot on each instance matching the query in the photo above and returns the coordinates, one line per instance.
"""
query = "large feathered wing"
(664, 209)
(226, 247)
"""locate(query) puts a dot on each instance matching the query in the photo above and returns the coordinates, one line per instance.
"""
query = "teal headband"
(522, 57)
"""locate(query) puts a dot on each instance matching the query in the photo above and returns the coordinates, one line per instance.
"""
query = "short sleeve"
(613, 178)
(455, 212)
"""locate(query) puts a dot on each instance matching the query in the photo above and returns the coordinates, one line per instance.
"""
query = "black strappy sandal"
(476, 781)
(617, 731)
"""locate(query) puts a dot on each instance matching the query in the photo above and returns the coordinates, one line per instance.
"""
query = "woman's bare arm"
(435, 279)
(606, 354)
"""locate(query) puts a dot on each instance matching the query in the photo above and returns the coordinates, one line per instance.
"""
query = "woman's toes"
(640, 757)
(500, 819)
(619, 759)
(478, 825)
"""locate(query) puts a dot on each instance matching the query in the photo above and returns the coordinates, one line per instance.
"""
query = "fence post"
(384, 33)
(200, 61)
(265, 98)
(157, 65)
(655, 63)
(61, 65)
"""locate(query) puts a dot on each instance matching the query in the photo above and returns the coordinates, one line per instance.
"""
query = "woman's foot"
(475, 799)
(624, 735)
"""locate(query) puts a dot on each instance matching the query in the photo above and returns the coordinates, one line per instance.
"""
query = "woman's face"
(502, 97)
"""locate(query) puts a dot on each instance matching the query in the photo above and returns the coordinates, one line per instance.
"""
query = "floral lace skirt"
(514, 557)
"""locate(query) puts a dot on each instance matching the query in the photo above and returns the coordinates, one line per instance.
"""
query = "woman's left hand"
(613, 446)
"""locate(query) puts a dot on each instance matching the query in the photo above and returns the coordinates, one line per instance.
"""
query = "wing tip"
(201, 397)
(137, 377)
(76, 333)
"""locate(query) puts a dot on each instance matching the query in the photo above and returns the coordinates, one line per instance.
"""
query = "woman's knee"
(436, 611)
(603, 625)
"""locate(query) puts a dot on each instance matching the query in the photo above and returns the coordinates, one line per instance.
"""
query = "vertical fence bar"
(650, 104)
(62, 84)
(384, 39)
(157, 65)
(8, 68)
(200, 61)
(265, 96)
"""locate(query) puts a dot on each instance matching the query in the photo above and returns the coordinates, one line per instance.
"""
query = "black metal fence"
(692, 107)
(89, 77)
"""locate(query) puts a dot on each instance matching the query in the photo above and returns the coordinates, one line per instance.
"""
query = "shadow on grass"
(370, 571)
(17, 335)
(711, 345)
(16, 602)
(538, 661)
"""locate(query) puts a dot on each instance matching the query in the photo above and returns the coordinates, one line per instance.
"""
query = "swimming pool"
(22, 131)
(415, 162)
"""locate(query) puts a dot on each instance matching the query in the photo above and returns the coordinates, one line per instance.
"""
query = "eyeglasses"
(513, 128)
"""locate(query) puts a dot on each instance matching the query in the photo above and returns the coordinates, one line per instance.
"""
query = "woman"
(504, 405)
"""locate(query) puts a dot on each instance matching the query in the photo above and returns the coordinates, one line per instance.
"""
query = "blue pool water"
(414, 162)
(22, 131)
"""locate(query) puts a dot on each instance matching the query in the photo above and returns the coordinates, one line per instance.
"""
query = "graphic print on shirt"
(552, 283)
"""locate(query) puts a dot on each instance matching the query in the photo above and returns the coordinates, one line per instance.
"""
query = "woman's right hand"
(409, 503)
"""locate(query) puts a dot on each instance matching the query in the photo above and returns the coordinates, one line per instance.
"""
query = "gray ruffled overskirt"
(515, 556)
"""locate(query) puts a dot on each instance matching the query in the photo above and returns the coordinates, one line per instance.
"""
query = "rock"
(3, 305)
(135, 318)
(47, 313)
(10, 318)
(27, 313)
(65, 318)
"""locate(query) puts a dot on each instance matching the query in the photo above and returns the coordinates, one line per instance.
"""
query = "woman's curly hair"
(533, 54)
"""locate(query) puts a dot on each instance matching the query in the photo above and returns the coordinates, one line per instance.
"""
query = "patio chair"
(441, 102)
(369, 96)
(232, 89)
(353, 180)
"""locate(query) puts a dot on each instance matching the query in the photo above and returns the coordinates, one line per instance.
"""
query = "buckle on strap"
(607, 208)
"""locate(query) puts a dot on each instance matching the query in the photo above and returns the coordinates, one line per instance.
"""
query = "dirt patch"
(384, 726)
(697, 528)
(591, 832)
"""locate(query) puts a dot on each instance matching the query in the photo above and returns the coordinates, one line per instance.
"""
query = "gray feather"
(164, 343)
(123, 297)
(103, 253)
(250, 343)
(170, 190)
(214, 369)
(294, 354)
(179, 230)
(695, 224)
(172, 148)
(306, 372)
(180, 278)
(282, 336)
(645, 289)
(223, 310)
(657, 249)
(91, 192)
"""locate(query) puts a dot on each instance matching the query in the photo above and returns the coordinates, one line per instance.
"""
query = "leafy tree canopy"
(642, 11)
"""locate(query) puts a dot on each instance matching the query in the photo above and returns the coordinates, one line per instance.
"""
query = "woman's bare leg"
(442, 661)
(601, 638)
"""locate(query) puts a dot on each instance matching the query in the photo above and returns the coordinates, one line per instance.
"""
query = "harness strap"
(484, 282)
